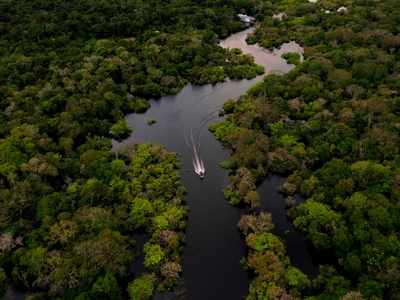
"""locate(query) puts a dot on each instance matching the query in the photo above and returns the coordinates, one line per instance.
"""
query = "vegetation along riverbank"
(79, 221)
(332, 126)
(69, 72)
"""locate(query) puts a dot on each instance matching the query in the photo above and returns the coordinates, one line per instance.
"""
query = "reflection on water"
(270, 60)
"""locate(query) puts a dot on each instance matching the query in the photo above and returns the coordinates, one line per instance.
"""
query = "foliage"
(332, 126)
(223, 130)
(295, 278)
(141, 288)
(70, 211)
(85, 250)
(141, 211)
(120, 130)
(242, 189)
(153, 255)
(292, 58)
(106, 288)
(274, 275)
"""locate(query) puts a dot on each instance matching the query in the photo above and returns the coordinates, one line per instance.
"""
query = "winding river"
(214, 246)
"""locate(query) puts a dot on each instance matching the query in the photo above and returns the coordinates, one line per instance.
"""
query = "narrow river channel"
(214, 246)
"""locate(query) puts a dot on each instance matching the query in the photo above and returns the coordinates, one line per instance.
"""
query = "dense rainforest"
(72, 212)
(75, 216)
(331, 126)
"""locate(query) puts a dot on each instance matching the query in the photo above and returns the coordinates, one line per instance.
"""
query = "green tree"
(153, 255)
(106, 287)
(141, 288)
(120, 129)
(318, 221)
(141, 210)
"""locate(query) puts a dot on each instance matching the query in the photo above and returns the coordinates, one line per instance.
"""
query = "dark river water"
(214, 246)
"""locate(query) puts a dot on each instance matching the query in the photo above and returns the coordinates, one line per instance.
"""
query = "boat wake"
(194, 144)
(198, 164)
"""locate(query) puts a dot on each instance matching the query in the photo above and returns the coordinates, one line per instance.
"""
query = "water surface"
(296, 245)
(214, 246)
(270, 60)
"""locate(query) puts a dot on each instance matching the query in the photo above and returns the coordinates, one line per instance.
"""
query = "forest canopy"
(331, 127)
(75, 217)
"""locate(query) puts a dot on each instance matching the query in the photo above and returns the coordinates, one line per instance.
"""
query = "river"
(214, 246)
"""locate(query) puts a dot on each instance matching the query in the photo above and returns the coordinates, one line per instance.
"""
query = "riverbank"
(214, 246)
